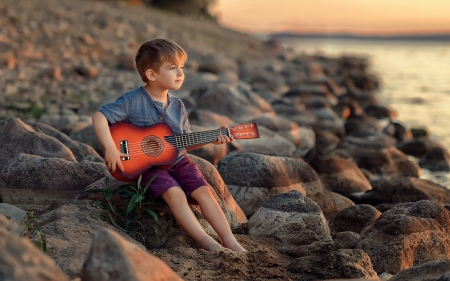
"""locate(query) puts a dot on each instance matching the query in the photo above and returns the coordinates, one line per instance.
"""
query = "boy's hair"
(152, 53)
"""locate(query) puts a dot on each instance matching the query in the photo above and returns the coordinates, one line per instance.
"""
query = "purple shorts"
(185, 174)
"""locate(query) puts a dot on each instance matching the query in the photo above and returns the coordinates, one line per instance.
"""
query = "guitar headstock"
(245, 131)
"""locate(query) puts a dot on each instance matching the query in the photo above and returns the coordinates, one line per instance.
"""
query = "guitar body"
(157, 145)
(147, 148)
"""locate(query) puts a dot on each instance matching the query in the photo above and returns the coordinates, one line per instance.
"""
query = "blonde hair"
(153, 53)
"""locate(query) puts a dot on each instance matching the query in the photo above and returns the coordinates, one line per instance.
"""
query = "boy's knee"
(202, 193)
(174, 195)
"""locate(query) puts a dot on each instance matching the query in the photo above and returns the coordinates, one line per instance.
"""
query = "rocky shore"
(329, 191)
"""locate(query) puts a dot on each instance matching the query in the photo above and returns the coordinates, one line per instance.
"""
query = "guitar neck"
(191, 139)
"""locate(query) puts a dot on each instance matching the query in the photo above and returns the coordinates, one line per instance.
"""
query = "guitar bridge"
(124, 149)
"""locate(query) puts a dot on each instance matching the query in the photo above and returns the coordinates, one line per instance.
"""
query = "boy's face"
(170, 75)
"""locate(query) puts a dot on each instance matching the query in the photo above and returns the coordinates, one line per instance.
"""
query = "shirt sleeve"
(185, 126)
(116, 111)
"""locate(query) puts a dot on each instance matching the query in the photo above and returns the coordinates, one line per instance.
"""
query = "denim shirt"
(138, 108)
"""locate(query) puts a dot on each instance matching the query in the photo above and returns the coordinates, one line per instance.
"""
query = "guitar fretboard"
(190, 139)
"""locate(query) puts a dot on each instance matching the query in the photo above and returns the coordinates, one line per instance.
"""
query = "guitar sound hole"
(152, 146)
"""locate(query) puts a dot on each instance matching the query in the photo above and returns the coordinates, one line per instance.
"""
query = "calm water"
(415, 77)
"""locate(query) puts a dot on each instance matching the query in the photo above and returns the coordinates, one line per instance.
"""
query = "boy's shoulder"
(133, 93)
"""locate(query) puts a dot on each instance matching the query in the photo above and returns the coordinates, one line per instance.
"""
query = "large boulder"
(354, 218)
(30, 179)
(378, 156)
(208, 119)
(112, 257)
(231, 209)
(20, 259)
(17, 137)
(81, 151)
(340, 175)
(233, 213)
(406, 235)
(402, 189)
(437, 159)
(234, 102)
(432, 270)
(69, 230)
(340, 263)
(269, 142)
(291, 218)
(252, 178)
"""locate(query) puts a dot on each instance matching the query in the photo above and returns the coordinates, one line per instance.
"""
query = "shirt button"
(161, 118)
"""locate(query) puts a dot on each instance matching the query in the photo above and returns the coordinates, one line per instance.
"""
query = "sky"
(332, 16)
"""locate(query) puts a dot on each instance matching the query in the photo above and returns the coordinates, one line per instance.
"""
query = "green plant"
(29, 222)
(140, 214)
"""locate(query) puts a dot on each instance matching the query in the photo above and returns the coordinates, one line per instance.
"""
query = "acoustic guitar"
(157, 145)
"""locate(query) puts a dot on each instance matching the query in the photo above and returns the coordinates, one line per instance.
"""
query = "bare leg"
(176, 199)
(215, 216)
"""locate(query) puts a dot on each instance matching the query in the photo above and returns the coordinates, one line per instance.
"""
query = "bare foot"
(212, 245)
(234, 246)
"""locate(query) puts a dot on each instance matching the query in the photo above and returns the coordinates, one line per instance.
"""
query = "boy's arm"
(221, 139)
(112, 154)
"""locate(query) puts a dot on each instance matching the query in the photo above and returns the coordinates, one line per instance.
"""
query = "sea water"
(414, 76)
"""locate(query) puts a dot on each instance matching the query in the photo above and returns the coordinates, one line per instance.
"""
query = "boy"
(160, 63)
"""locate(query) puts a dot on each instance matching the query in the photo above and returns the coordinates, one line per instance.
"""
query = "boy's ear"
(150, 74)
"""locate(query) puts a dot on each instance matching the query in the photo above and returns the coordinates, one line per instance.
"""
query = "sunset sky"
(356, 16)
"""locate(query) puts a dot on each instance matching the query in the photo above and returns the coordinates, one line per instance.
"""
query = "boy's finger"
(120, 166)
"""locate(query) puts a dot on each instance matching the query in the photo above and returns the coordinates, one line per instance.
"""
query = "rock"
(445, 277)
(397, 131)
(354, 218)
(290, 218)
(233, 213)
(230, 101)
(420, 132)
(17, 137)
(30, 179)
(346, 239)
(341, 202)
(69, 230)
(231, 209)
(326, 141)
(432, 270)
(379, 111)
(379, 157)
(217, 64)
(437, 159)
(13, 213)
(8, 224)
(80, 150)
(112, 257)
(197, 81)
(361, 126)
(402, 189)
(416, 147)
(88, 136)
(406, 235)
(22, 260)
(269, 142)
(208, 119)
(341, 263)
(340, 175)
(252, 178)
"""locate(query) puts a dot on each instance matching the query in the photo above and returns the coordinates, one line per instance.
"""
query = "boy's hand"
(221, 139)
(112, 159)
